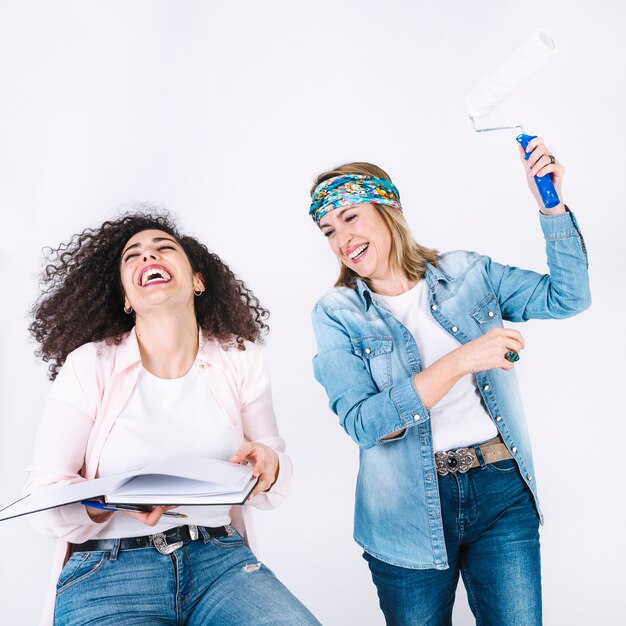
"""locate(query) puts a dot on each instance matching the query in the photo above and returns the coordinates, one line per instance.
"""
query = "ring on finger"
(511, 356)
(552, 159)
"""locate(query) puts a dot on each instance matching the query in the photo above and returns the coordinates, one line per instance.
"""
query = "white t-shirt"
(459, 419)
(167, 417)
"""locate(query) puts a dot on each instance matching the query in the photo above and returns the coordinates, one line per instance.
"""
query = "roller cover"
(505, 78)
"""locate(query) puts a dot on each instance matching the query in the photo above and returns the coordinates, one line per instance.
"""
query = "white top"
(165, 417)
(91, 390)
(459, 419)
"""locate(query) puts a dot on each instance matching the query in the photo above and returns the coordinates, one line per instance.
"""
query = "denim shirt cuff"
(408, 403)
(560, 226)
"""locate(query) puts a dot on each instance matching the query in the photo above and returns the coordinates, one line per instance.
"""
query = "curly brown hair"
(82, 299)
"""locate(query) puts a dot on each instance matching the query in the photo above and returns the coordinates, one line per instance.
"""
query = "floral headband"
(350, 189)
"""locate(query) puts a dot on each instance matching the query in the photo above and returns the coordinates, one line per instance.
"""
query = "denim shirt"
(366, 360)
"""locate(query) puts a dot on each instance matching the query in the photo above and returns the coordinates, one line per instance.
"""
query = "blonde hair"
(406, 255)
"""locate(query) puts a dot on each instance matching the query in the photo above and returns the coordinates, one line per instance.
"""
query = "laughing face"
(155, 271)
(360, 238)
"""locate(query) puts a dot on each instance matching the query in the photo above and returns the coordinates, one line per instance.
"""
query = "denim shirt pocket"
(376, 353)
(487, 313)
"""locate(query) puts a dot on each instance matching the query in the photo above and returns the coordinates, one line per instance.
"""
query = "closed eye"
(350, 218)
(328, 233)
(129, 256)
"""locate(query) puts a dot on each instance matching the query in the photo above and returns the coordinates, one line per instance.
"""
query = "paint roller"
(501, 82)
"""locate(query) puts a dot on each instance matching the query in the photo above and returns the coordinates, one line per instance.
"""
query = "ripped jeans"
(214, 580)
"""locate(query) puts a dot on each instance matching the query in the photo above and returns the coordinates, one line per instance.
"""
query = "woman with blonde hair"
(417, 365)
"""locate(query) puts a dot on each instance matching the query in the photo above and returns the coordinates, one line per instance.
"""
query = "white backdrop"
(223, 112)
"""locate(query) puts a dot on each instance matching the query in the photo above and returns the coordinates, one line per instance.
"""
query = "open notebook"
(179, 480)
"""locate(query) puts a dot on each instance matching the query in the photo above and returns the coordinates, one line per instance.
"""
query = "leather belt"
(165, 543)
(465, 459)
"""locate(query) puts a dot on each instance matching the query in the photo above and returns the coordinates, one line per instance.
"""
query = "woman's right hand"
(487, 352)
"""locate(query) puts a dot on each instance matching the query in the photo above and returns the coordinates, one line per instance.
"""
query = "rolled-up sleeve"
(365, 413)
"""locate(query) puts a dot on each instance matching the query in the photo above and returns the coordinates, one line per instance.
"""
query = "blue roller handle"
(544, 183)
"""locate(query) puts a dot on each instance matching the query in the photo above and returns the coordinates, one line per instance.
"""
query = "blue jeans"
(491, 530)
(208, 581)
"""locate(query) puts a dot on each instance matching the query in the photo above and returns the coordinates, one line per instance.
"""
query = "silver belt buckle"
(159, 541)
(454, 461)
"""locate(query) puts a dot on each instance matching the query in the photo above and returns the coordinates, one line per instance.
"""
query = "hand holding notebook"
(173, 481)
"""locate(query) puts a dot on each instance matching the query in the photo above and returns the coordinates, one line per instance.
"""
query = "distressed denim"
(209, 581)
(492, 541)
(366, 360)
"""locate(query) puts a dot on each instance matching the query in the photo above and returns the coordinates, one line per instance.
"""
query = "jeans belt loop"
(159, 541)
(115, 550)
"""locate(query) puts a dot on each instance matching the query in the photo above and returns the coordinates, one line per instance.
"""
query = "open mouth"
(356, 253)
(154, 274)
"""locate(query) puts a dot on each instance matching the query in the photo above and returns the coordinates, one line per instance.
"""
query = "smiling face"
(360, 238)
(155, 271)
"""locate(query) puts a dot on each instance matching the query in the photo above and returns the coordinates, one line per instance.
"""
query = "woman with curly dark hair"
(153, 348)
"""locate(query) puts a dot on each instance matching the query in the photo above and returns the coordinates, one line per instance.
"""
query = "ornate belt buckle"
(159, 541)
(454, 461)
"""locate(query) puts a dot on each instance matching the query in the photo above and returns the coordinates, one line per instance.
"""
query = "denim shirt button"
(434, 307)
(529, 477)
(499, 418)
(514, 449)
(490, 314)
(367, 350)
(486, 388)
(455, 329)
(416, 417)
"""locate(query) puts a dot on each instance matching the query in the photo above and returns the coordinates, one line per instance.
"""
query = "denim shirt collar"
(434, 277)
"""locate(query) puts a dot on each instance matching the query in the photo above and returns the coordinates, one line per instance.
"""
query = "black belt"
(165, 543)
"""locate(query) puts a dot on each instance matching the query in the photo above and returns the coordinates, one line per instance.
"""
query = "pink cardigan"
(89, 393)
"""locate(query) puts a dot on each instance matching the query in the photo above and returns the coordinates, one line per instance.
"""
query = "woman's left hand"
(540, 164)
(264, 461)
